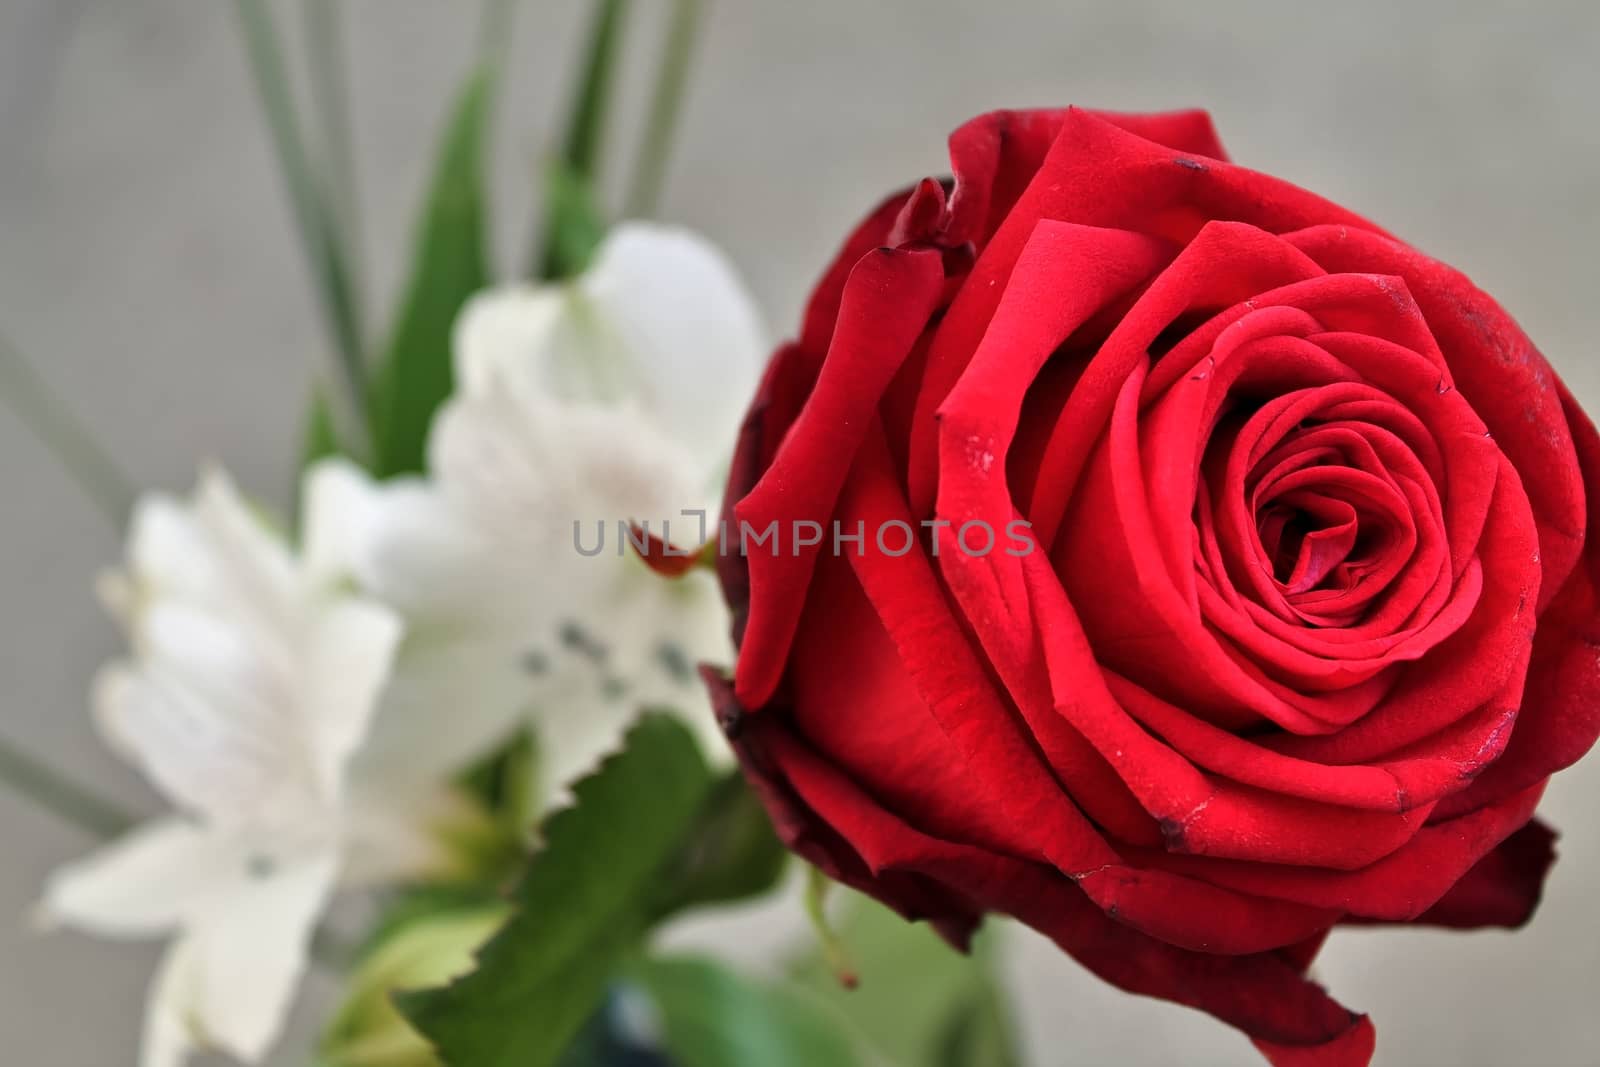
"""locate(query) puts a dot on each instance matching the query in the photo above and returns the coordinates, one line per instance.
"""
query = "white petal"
(241, 675)
(523, 473)
(139, 885)
(167, 550)
(510, 482)
(351, 649)
(187, 751)
(233, 973)
(257, 556)
(580, 721)
(691, 329)
(119, 595)
(660, 328)
(213, 552)
(614, 397)
(170, 1034)
(625, 467)
(662, 630)
(207, 716)
(502, 334)
(226, 550)
(402, 541)
(449, 702)
(493, 457)
(655, 633)
(342, 519)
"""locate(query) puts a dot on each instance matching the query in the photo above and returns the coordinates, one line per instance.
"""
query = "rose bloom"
(1312, 615)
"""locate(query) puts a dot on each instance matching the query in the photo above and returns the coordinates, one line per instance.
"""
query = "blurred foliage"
(710, 1016)
(506, 782)
(618, 1034)
(321, 233)
(574, 224)
(666, 104)
(423, 949)
(573, 220)
(449, 265)
(919, 1002)
(732, 853)
(320, 436)
(611, 866)
(561, 976)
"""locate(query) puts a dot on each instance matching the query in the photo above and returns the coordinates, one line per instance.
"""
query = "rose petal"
(886, 304)
(829, 821)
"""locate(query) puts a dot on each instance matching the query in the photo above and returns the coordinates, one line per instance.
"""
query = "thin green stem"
(583, 143)
(60, 795)
(666, 106)
(318, 234)
(68, 439)
(494, 32)
(584, 147)
(330, 97)
(834, 951)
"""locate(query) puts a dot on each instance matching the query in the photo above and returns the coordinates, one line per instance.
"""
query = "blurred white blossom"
(254, 675)
(615, 396)
(257, 670)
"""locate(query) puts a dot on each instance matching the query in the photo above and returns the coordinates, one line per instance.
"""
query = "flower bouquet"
(1126, 542)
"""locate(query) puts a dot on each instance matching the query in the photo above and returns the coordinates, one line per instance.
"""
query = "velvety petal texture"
(1151, 550)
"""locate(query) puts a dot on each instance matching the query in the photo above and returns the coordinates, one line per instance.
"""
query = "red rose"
(1310, 615)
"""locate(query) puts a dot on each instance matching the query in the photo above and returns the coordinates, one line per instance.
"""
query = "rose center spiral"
(1315, 518)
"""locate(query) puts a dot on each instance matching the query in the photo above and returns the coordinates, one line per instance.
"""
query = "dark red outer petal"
(1503, 889)
(1265, 994)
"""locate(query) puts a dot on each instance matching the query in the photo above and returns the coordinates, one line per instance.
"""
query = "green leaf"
(574, 224)
(423, 948)
(919, 1002)
(323, 24)
(503, 788)
(732, 854)
(406, 906)
(978, 1034)
(586, 126)
(582, 908)
(613, 1036)
(506, 781)
(712, 1017)
(320, 438)
(450, 263)
(666, 104)
(575, 175)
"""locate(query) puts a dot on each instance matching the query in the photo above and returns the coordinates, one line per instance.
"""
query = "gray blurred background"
(148, 264)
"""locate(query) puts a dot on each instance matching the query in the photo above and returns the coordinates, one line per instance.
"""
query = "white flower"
(253, 677)
(616, 396)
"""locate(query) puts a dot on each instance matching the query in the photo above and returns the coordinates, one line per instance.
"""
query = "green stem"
(585, 137)
(60, 795)
(330, 95)
(494, 32)
(318, 236)
(666, 105)
(583, 145)
(59, 430)
(834, 950)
